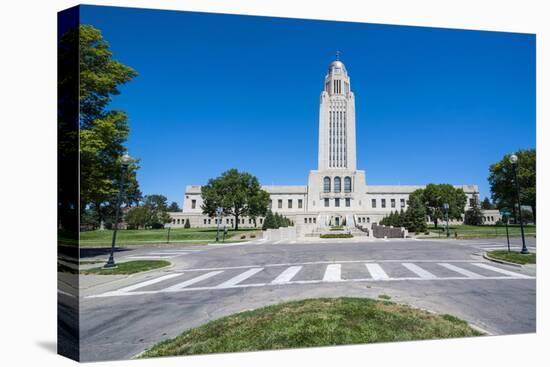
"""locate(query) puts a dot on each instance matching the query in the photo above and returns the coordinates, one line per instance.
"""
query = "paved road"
(122, 317)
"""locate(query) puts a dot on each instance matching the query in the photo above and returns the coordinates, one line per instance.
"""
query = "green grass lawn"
(513, 256)
(129, 267)
(312, 323)
(468, 231)
(142, 236)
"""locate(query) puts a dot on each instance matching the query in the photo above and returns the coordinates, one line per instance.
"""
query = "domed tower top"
(337, 81)
(337, 66)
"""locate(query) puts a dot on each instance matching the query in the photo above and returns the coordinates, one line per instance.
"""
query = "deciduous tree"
(502, 182)
(237, 193)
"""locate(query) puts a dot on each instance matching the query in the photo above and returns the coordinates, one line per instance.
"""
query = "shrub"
(243, 237)
(187, 224)
(337, 235)
(252, 236)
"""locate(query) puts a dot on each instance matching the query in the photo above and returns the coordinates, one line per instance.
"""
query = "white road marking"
(255, 285)
(66, 293)
(148, 282)
(192, 281)
(469, 274)
(287, 275)
(501, 271)
(327, 262)
(376, 272)
(333, 273)
(419, 271)
(239, 278)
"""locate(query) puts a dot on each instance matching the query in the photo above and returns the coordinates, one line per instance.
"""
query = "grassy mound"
(313, 322)
(513, 257)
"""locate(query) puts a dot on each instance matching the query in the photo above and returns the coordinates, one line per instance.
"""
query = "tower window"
(337, 184)
(402, 203)
(300, 203)
(289, 203)
(337, 202)
(347, 184)
(383, 203)
(348, 202)
(373, 203)
(392, 201)
(326, 202)
(193, 204)
(326, 184)
(280, 203)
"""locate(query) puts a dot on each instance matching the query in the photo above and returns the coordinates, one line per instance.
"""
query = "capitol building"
(337, 192)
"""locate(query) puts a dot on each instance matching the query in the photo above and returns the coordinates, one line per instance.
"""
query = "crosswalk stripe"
(376, 272)
(419, 271)
(501, 271)
(333, 273)
(469, 274)
(148, 282)
(192, 281)
(287, 275)
(239, 278)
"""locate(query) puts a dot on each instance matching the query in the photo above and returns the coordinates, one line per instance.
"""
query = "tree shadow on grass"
(95, 251)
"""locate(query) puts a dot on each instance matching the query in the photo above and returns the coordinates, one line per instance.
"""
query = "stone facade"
(336, 193)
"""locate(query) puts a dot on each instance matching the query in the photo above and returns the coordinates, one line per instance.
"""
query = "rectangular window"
(472, 202)
(289, 203)
(373, 203)
(193, 204)
(383, 203)
(392, 201)
(402, 203)
(305, 220)
(261, 220)
(299, 203)
(348, 202)
(205, 221)
(209, 221)
(280, 203)
(227, 220)
(337, 202)
(326, 202)
(270, 204)
(368, 219)
(314, 220)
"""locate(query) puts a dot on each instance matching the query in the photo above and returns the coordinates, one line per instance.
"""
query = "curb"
(128, 276)
(487, 257)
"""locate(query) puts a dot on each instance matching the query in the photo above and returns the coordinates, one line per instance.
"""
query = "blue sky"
(221, 91)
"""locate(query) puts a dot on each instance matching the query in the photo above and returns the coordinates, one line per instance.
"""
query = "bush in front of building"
(336, 235)
(187, 224)
(274, 221)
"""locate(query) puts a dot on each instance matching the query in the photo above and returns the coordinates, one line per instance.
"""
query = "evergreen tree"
(401, 221)
(416, 215)
(269, 221)
(187, 224)
(486, 204)
(474, 216)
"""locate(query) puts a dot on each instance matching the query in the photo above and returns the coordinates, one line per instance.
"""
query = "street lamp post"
(168, 235)
(219, 215)
(514, 162)
(446, 207)
(124, 162)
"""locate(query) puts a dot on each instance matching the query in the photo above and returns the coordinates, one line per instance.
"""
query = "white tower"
(337, 120)
(337, 190)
